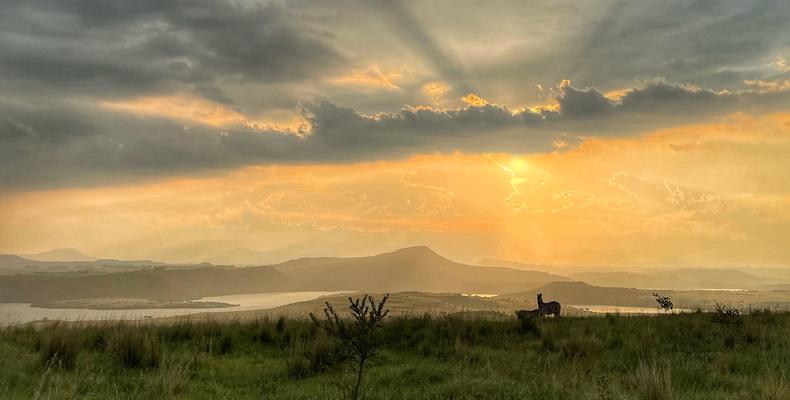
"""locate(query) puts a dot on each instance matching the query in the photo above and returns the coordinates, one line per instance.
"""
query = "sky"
(636, 133)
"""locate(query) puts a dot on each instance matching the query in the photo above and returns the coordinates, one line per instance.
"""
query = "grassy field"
(684, 356)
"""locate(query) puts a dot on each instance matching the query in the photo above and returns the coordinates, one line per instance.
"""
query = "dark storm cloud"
(66, 144)
(715, 44)
(59, 60)
(117, 48)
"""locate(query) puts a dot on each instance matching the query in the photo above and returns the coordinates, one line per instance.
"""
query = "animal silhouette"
(526, 314)
(550, 308)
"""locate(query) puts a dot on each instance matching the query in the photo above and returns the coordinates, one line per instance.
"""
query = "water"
(598, 309)
(20, 313)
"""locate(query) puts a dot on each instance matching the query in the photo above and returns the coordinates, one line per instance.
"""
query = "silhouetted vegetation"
(453, 356)
(727, 316)
(664, 302)
(356, 334)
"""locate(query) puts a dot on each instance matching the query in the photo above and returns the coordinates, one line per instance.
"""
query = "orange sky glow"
(698, 194)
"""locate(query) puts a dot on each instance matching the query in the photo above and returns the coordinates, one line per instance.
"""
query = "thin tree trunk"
(355, 395)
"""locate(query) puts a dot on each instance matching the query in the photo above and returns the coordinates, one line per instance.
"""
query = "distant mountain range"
(14, 264)
(64, 254)
(154, 284)
(411, 269)
(415, 268)
(663, 278)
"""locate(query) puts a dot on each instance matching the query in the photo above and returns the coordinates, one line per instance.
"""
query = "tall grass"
(135, 348)
(654, 382)
(422, 356)
(59, 349)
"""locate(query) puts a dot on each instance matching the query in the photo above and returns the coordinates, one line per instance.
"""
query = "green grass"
(683, 356)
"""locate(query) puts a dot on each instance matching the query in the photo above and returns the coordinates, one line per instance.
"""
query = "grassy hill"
(459, 356)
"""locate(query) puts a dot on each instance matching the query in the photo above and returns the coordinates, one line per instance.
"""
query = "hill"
(410, 269)
(154, 284)
(687, 278)
(63, 254)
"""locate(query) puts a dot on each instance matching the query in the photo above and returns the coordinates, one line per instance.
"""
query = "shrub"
(653, 381)
(357, 336)
(134, 348)
(664, 302)
(727, 316)
(59, 349)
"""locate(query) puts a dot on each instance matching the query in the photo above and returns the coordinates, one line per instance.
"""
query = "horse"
(550, 308)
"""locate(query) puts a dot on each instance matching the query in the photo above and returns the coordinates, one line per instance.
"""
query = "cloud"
(99, 92)
(116, 49)
(612, 44)
(67, 143)
(373, 77)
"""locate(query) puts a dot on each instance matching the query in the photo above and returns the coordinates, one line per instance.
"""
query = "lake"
(599, 309)
(20, 313)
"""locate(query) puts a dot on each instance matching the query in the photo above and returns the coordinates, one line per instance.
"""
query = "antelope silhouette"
(550, 308)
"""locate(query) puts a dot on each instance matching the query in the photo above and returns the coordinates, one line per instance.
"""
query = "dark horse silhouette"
(550, 308)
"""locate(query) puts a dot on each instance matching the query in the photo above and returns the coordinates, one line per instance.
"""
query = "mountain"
(154, 284)
(63, 254)
(411, 269)
(688, 278)
(10, 262)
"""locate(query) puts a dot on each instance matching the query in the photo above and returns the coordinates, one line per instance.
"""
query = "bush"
(59, 349)
(727, 316)
(664, 302)
(134, 348)
(357, 335)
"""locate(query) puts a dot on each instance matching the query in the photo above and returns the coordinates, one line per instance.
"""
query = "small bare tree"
(664, 302)
(356, 334)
